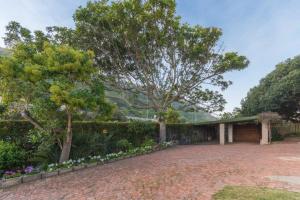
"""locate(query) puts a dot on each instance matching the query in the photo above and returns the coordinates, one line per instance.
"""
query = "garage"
(247, 133)
(252, 129)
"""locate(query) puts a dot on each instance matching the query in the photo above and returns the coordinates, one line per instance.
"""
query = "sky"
(265, 31)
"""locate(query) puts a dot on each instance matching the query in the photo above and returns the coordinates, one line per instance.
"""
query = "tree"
(172, 116)
(278, 92)
(50, 84)
(231, 115)
(142, 46)
(16, 33)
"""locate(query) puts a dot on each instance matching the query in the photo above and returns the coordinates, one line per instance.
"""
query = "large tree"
(279, 92)
(51, 83)
(143, 46)
(16, 33)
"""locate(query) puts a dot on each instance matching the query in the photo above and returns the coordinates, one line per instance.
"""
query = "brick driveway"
(182, 172)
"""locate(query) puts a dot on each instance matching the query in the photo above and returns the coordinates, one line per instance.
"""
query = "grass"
(254, 193)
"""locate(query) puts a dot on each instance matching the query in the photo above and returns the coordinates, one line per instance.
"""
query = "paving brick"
(182, 172)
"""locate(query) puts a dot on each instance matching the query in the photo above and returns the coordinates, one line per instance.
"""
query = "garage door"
(246, 133)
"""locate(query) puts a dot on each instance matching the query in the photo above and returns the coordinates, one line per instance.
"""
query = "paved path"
(182, 172)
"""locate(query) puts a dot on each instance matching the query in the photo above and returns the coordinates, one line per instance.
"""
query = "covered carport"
(253, 129)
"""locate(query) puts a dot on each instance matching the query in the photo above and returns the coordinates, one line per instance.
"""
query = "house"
(253, 129)
(256, 129)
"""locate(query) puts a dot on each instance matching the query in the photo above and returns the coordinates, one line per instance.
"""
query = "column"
(264, 132)
(222, 133)
(230, 133)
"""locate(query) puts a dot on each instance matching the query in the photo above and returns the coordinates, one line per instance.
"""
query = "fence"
(192, 134)
(285, 127)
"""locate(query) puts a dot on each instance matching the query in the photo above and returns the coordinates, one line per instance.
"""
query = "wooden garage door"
(246, 133)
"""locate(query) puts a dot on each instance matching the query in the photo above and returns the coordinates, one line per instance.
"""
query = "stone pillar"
(222, 133)
(264, 132)
(230, 133)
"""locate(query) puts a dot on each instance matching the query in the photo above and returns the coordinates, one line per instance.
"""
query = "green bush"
(11, 156)
(14, 130)
(138, 131)
(172, 116)
(89, 138)
(90, 144)
(276, 136)
(124, 145)
(148, 142)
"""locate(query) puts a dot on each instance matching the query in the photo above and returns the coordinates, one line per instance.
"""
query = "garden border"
(7, 183)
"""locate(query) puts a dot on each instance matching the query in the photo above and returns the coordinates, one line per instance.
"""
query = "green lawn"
(254, 193)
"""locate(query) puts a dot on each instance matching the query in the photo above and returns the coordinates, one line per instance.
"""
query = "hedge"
(93, 137)
(184, 133)
(13, 131)
(89, 137)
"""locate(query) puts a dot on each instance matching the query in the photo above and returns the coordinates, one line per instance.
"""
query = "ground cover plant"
(69, 164)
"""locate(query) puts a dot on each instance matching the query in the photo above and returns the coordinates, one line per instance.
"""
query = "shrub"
(276, 136)
(90, 144)
(90, 138)
(172, 116)
(148, 142)
(11, 156)
(124, 145)
(138, 131)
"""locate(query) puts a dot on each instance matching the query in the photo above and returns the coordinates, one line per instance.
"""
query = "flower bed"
(30, 173)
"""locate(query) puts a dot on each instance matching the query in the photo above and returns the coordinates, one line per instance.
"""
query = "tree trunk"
(162, 131)
(65, 152)
(26, 116)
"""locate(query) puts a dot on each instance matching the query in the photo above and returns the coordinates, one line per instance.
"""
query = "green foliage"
(124, 145)
(91, 144)
(170, 61)
(4, 52)
(50, 84)
(59, 73)
(254, 193)
(89, 138)
(118, 115)
(172, 116)
(11, 156)
(41, 147)
(16, 34)
(276, 136)
(149, 142)
(138, 131)
(279, 92)
(230, 115)
(14, 131)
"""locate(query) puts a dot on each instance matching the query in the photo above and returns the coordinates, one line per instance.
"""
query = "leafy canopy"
(143, 47)
(60, 74)
(48, 85)
(279, 92)
(172, 116)
(16, 33)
